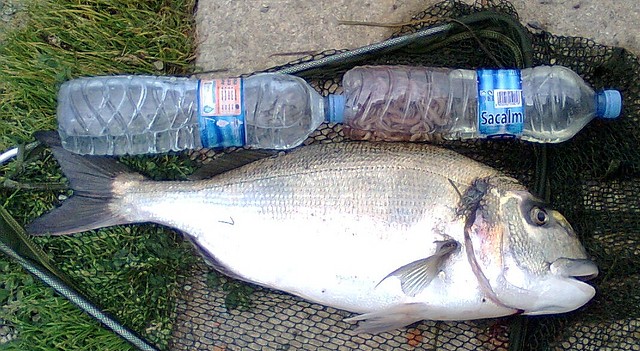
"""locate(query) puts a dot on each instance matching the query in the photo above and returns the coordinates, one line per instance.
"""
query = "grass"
(130, 271)
(66, 39)
(47, 322)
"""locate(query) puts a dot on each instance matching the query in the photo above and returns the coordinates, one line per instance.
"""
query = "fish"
(394, 233)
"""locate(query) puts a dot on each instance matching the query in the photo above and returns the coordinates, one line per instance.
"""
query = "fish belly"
(333, 255)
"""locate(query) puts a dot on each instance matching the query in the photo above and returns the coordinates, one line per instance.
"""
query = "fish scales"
(373, 196)
(369, 179)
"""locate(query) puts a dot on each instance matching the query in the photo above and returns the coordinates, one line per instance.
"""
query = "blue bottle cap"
(608, 104)
(335, 110)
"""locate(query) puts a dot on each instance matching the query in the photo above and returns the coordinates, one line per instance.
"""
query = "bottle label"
(500, 107)
(221, 112)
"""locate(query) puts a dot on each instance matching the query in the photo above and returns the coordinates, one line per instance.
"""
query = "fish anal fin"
(390, 318)
(417, 275)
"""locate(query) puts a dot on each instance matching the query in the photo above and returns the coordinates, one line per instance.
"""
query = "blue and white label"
(500, 105)
(221, 112)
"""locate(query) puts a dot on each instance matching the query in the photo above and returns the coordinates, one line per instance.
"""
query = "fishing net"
(593, 179)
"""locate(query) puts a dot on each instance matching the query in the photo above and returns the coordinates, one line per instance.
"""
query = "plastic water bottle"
(546, 104)
(144, 114)
(120, 115)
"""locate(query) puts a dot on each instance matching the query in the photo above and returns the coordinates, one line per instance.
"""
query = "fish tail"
(94, 202)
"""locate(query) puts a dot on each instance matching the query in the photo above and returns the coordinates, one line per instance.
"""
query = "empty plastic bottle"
(546, 104)
(120, 115)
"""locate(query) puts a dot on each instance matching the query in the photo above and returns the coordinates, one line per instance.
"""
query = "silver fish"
(395, 232)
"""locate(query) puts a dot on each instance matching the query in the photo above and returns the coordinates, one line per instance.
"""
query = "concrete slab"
(609, 22)
(249, 35)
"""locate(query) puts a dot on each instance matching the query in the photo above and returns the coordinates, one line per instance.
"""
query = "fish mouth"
(587, 276)
(579, 269)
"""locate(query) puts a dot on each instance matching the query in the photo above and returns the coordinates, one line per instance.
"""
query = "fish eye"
(539, 216)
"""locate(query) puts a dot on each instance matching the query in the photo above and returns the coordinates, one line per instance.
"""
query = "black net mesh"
(592, 179)
(278, 321)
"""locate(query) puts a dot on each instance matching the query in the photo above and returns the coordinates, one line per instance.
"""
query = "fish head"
(527, 255)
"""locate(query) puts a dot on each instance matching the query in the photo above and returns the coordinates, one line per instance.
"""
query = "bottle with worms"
(544, 104)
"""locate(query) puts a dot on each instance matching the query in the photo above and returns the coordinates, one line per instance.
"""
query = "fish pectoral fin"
(415, 276)
(389, 319)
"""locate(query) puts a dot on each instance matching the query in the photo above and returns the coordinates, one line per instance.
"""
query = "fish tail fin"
(391, 318)
(94, 203)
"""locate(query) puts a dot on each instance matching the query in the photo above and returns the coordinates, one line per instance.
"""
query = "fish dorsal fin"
(229, 161)
(415, 276)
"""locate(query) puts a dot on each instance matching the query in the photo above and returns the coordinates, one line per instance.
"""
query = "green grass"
(66, 39)
(47, 322)
(132, 271)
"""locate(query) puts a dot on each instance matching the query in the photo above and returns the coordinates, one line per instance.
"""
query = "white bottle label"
(221, 112)
(500, 106)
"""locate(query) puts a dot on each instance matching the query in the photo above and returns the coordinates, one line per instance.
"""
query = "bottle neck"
(334, 108)
(608, 104)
